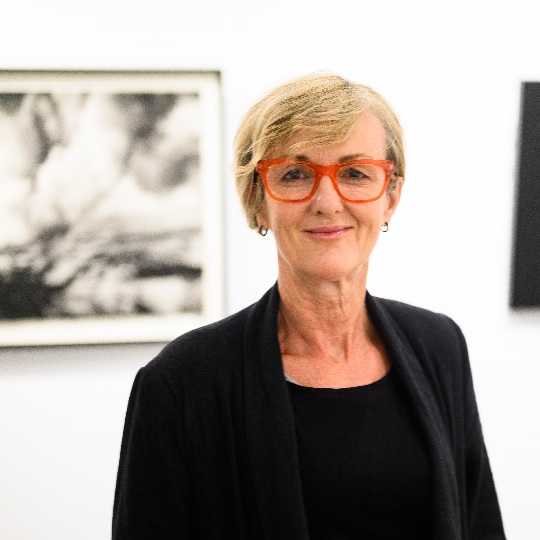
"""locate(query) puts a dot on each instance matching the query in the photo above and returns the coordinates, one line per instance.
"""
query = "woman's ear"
(392, 199)
(262, 217)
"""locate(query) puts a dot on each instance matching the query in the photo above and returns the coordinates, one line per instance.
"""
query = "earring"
(262, 232)
(384, 228)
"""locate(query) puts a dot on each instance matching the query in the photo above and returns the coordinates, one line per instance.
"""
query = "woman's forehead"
(366, 137)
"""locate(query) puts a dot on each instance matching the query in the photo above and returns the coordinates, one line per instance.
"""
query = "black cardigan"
(209, 446)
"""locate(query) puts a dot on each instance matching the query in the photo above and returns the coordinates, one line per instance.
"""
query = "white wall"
(452, 72)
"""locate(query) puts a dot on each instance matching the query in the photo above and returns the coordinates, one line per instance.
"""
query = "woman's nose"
(326, 198)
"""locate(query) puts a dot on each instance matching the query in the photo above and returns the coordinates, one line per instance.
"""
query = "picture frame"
(525, 272)
(111, 206)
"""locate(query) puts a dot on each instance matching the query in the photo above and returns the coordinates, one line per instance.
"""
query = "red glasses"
(358, 181)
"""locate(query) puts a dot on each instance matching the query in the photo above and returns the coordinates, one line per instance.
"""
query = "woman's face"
(326, 237)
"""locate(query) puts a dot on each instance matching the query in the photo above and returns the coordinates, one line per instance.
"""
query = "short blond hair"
(322, 104)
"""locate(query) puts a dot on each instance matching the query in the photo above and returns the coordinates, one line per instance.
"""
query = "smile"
(327, 232)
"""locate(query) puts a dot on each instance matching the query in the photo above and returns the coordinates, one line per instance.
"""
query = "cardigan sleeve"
(485, 522)
(152, 493)
(483, 512)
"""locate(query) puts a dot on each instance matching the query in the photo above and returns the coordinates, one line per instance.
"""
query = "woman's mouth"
(327, 231)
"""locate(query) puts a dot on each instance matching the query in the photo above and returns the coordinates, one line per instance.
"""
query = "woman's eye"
(296, 174)
(292, 175)
(352, 173)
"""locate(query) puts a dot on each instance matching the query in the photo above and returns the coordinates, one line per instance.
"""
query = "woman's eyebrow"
(352, 157)
(343, 159)
(299, 157)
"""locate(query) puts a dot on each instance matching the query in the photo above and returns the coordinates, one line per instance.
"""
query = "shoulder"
(418, 324)
(211, 354)
(433, 339)
(213, 339)
(205, 347)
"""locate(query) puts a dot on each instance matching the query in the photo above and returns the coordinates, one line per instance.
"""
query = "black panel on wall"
(525, 288)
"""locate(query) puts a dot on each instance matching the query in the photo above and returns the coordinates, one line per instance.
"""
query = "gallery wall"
(453, 73)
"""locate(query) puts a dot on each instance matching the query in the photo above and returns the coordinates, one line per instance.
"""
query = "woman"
(320, 411)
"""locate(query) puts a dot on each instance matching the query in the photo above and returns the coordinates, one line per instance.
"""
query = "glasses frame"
(324, 170)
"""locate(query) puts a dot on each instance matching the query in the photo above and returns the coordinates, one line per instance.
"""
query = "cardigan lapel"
(445, 502)
(270, 430)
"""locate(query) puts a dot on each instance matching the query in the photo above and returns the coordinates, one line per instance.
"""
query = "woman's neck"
(322, 317)
(325, 335)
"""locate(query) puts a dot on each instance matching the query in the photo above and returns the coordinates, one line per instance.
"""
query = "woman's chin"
(336, 272)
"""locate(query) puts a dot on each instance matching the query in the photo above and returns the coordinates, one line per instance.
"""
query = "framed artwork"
(110, 205)
(525, 286)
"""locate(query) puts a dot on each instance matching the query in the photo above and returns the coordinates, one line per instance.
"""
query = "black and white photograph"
(110, 204)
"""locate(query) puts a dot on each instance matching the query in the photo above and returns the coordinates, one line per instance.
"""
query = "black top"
(209, 447)
(363, 463)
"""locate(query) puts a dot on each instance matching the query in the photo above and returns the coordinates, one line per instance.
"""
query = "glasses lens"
(361, 182)
(291, 181)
